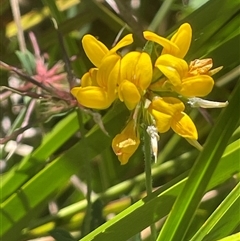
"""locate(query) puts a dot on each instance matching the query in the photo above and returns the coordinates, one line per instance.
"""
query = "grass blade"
(150, 210)
(178, 221)
(224, 216)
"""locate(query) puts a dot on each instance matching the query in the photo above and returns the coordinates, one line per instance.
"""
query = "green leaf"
(108, 17)
(27, 60)
(234, 237)
(216, 15)
(49, 179)
(224, 216)
(158, 204)
(61, 235)
(56, 14)
(178, 221)
(32, 163)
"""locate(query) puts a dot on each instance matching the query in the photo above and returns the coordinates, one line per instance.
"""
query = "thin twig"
(11, 90)
(17, 20)
(27, 77)
(27, 118)
(66, 60)
(23, 125)
(35, 45)
(15, 134)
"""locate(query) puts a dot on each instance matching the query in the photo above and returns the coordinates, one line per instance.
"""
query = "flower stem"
(86, 228)
(148, 172)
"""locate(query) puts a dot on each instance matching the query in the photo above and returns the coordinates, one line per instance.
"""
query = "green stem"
(86, 228)
(148, 173)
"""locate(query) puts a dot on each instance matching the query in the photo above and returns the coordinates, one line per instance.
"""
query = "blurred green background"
(47, 171)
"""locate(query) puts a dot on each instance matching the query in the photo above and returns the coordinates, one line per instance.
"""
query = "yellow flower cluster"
(132, 79)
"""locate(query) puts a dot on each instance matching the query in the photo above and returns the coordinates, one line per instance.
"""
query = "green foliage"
(74, 167)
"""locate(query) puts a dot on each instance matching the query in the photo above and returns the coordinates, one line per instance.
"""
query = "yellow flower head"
(188, 84)
(188, 81)
(126, 143)
(131, 79)
(168, 113)
(179, 43)
(98, 86)
(135, 77)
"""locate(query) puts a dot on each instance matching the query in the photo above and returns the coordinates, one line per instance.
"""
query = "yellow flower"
(187, 83)
(135, 77)
(98, 86)
(98, 89)
(179, 43)
(126, 143)
(96, 50)
(168, 113)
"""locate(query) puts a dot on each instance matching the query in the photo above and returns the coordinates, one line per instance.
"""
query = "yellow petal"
(129, 94)
(183, 125)
(124, 147)
(126, 143)
(94, 49)
(200, 85)
(169, 47)
(172, 67)
(137, 68)
(108, 73)
(162, 120)
(167, 105)
(92, 97)
(89, 78)
(126, 40)
(182, 38)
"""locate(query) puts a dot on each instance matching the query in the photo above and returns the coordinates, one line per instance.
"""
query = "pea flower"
(126, 143)
(189, 81)
(168, 113)
(179, 43)
(134, 80)
(98, 89)
(181, 80)
(135, 77)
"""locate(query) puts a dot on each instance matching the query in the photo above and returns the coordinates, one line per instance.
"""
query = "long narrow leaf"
(50, 178)
(156, 206)
(178, 221)
(36, 160)
(234, 237)
(224, 216)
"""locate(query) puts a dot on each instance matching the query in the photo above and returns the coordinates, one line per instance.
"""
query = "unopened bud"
(153, 133)
(198, 102)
